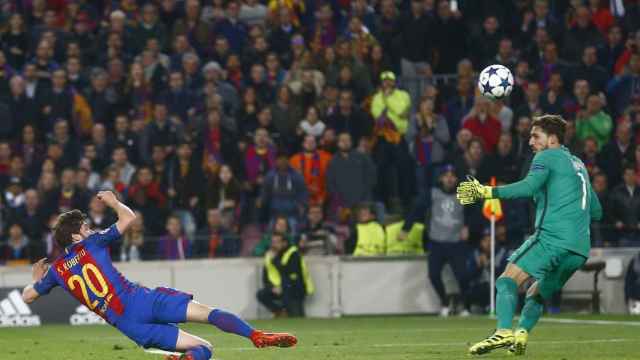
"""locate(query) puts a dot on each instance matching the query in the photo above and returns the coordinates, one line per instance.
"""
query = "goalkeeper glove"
(470, 191)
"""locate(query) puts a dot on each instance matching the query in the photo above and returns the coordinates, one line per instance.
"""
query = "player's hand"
(277, 290)
(39, 269)
(402, 235)
(107, 197)
(470, 191)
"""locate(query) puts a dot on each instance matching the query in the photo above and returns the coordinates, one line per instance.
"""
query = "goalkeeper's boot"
(519, 343)
(499, 339)
(264, 339)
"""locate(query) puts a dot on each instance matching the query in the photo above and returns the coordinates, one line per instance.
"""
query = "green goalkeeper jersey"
(565, 202)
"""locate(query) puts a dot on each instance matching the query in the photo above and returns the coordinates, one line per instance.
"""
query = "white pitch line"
(590, 322)
(426, 344)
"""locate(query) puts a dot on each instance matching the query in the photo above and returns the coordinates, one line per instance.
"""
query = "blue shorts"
(150, 317)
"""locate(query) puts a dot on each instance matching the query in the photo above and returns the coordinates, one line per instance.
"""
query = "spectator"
(286, 279)
(367, 235)
(349, 118)
(120, 160)
(625, 209)
(472, 161)
(179, 99)
(601, 234)
(174, 245)
(252, 12)
(533, 105)
(617, 152)
(284, 192)
(417, 44)
(428, 137)
(312, 164)
(145, 195)
(150, 28)
(594, 122)
(311, 124)
(217, 238)
(67, 196)
(448, 232)
(632, 281)
(161, 131)
(135, 245)
(589, 69)
(582, 34)
(185, 181)
(231, 27)
(192, 25)
(623, 90)
(31, 215)
(279, 225)
(223, 190)
(503, 164)
(478, 273)
(259, 159)
(390, 109)
(316, 237)
(483, 124)
(18, 246)
(351, 177)
(14, 193)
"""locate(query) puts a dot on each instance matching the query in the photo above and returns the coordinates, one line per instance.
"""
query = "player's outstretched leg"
(194, 348)
(231, 323)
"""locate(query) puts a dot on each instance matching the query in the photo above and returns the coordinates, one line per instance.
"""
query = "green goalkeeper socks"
(506, 301)
(531, 312)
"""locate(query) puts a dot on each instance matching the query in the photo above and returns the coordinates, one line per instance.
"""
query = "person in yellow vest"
(286, 279)
(390, 110)
(368, 236)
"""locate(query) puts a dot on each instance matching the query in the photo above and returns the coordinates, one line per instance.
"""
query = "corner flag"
(492, 206)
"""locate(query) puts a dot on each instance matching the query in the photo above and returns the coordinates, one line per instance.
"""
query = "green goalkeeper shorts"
(551, 266)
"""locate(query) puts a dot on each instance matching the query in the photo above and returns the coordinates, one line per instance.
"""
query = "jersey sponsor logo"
(14, 312)
(84, 316)
(103, 232)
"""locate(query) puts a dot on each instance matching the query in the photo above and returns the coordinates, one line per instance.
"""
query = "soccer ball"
(634, 307)
(495, 82)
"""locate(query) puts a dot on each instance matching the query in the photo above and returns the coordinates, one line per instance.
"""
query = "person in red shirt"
(483, 124)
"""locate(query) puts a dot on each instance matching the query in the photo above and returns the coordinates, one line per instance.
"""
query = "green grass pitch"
(359, 338)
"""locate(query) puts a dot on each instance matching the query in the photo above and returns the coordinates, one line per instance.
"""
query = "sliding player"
(146, 316)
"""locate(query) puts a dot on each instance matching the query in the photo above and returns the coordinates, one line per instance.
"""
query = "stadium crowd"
(324, 123)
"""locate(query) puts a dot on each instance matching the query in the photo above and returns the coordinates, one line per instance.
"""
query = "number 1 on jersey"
(584, 190)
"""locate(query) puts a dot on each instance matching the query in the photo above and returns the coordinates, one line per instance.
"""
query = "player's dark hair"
(68, 223)
(551, 125)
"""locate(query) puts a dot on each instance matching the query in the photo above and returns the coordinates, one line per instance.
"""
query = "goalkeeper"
(565, 206)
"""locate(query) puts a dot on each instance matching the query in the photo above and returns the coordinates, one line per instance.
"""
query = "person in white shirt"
(312, 124)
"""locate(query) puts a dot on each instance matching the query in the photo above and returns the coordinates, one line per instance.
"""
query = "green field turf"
(401, 338)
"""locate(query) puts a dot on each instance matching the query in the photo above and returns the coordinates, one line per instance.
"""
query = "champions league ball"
(495, 82)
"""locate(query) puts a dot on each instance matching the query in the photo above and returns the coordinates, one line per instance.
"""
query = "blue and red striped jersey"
(86, 271)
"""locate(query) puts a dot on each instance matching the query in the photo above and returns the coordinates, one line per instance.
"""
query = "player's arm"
(470, 191)
(43, 282)
(532, 183)
(125, 215)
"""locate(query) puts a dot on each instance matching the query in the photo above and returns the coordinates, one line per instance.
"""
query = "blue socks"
(230, 323)
(200, 353)
(506, 301)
